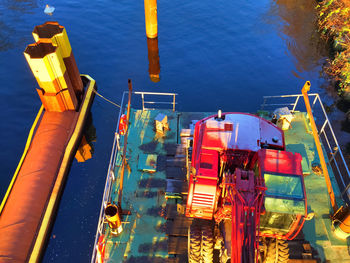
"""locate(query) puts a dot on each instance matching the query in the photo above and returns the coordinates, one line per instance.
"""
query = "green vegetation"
(334, 25)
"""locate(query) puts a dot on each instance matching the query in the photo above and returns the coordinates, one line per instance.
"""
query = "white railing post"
(295, 103)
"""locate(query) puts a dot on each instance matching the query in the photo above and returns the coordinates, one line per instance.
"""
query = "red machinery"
(234, 156)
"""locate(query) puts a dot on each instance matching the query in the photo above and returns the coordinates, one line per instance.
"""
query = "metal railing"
(143, 94)
(111, 167)
(325, 133)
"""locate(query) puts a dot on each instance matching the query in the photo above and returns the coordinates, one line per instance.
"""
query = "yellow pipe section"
(151, 18)
(26, 148)
(304, 91)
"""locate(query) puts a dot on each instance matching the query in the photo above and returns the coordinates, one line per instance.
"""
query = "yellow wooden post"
(151, 18)
(56, 91)
(304, 91)
(58, 35)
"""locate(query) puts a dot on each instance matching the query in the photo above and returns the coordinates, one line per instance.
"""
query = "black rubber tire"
(207, 243)
(283, 251)
(194, 243)
(277, 251)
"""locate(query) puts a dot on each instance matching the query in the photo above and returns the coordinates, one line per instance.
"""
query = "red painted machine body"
(235, 140)
(232, 159)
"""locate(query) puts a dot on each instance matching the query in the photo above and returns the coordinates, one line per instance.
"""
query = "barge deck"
(155, 228)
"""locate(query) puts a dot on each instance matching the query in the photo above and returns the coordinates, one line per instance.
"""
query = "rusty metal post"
(120, 192)
(304, 91)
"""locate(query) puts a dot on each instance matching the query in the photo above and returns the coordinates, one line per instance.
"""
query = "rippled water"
(214, 54)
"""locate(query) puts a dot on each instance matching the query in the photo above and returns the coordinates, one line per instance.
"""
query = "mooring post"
(56, 91)
(58, 35)
(151, 18)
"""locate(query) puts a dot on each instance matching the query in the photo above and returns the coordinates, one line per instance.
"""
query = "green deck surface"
(144, 188)
(144, 237)
(318, 230)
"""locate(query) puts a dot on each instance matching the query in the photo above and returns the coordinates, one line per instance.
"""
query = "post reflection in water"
(86, 147)
(153, 58)
(298, 29)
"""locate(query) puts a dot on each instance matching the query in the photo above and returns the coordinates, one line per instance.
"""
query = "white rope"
(98, 94)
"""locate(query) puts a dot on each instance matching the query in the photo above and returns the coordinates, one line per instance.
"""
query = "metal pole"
(120, 193)
(304, 90)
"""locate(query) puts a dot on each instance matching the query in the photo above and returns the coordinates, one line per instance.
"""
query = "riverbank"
(334, 26)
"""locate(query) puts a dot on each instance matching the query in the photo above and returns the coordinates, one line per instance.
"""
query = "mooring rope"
(98, 94)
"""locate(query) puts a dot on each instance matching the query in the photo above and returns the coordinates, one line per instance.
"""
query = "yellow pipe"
(26, 148)
(53, 201)
(151, 18)
(304, 91)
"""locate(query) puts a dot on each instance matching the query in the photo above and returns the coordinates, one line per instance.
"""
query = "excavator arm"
(244, 194)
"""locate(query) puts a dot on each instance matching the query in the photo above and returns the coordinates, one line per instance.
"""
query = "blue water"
(214, 54)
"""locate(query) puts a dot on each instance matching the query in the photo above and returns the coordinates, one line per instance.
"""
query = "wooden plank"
(184, 189)
(171, 211)
(177, 258)
(175, 210)
(180, 151)
(161, 162)
(175, 186)
(177, 245)
(175, 173)
(176, 161)
(178, 226)
(302, 261)
(170, 149)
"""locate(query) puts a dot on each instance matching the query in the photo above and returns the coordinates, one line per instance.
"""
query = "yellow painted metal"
(59, 39)
(26, 148)
(47, 65)
(55, 33)
(52, 101)
(304, 91)
(151, 18)
(53, 201)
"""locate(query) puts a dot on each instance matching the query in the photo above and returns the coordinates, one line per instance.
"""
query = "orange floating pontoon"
(34, 192)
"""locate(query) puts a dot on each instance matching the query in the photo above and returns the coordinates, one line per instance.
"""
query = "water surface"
(214, 54)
